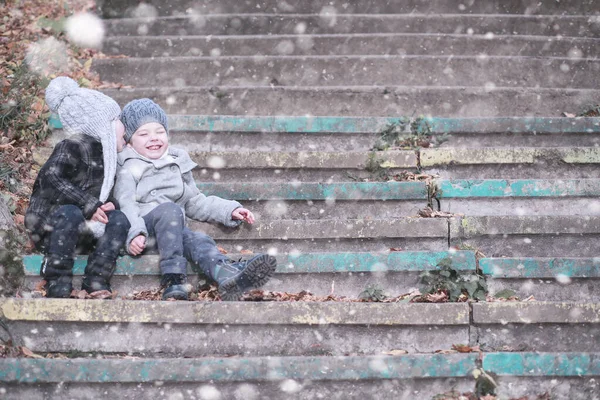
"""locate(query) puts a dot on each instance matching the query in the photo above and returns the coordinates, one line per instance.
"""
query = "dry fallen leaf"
(246, 251)
(28, 353)
(394, 352)
(222, 250)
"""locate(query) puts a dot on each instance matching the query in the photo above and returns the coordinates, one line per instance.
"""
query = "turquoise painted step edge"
(543, 364)
(470, 188)
(541, 267)
(235, 369)
(399, 261)
(317, 191)
(290, 124)
(410, 366)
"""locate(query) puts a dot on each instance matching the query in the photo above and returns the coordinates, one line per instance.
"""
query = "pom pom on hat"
(58, 89)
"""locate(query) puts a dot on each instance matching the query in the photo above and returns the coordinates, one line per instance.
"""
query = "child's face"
(150, 140)
(120, 132)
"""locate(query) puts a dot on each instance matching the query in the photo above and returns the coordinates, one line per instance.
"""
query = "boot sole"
(258, 272)
(177, 292)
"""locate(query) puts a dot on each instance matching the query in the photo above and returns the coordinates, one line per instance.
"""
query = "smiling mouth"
(156, 147)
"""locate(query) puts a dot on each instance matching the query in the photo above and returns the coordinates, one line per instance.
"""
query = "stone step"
(528, 236)
(553, 279)
(548, 26)
(326, 71)
(350, 44)
(198, 329)
(567, 375)
(349, 200)
(304, 166)
(346, 274)
(536, 326)
(392, 100)
(519, 197)
(182, 7)
(412, 234)
(512, 163)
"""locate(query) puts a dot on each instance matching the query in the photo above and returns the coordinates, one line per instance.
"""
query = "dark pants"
(66, 235)
(177, 244)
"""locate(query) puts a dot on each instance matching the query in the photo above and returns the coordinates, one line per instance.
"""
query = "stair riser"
(372, 7)
(523, 206)
(319, 284)
(538, 337)
(241, 141)
(383, 389)
(333, 244)
(578, 289)
(519, 171)
(348, 45)
(450, 102)
(290, 175)
(206, 24)
(234, 141)
(338, 71)
(195, 340)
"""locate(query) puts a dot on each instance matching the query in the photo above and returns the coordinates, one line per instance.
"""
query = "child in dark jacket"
(156, 189)
(70, 210)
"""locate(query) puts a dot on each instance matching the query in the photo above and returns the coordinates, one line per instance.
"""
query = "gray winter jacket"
(142, 184)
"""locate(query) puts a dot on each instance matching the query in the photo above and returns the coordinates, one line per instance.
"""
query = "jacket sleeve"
(124, 192)
(208, 208)
(62, 162)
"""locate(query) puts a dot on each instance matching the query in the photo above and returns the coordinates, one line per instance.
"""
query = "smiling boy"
(156, 190)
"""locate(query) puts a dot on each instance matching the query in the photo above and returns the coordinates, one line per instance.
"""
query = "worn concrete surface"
(347, 44)
(340, 229)
(304, 160)
(536, 312)
(227, 340)
(405, 389)
(202, 23)
(352, 70)
(374, 7)
(561, 289)
(294, 313)
(365, 100)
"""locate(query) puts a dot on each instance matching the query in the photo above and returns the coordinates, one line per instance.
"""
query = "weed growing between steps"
(408, 134)
(454, 285)
(454, 395)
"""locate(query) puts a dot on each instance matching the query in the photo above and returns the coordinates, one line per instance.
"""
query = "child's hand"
(100, 216)
(107, 207)
(137, 245)
(243, 214)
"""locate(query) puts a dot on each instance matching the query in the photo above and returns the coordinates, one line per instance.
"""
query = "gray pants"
(177, 244)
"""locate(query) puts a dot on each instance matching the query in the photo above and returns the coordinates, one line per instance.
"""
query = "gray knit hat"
(139, 112)
(88, 112)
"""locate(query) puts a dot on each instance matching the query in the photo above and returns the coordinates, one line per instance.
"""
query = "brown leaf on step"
(569, 115)
(440, 297)
(530, 298)
(463, 348)
(246, 251)
(429, 212)
(222, 250)
(81, 294)
(28, 353)
(155, 294)
(446, 352)
(39, 286)
(395, 249)
(101, 295)
(394, 352)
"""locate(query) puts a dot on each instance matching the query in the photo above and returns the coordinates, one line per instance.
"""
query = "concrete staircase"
(239, 79)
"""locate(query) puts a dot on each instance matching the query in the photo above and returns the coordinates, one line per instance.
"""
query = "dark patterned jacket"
(72, 175)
